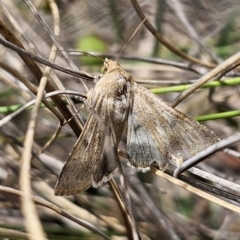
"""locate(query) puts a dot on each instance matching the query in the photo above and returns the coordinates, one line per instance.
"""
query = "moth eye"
(104, 69)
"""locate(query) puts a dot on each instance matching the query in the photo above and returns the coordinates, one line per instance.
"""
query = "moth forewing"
(93, 159)
(106, 165)
(77, 171)
(156, 131)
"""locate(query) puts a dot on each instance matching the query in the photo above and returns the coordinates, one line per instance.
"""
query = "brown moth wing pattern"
(157, 131)
(91, 162)
(93, 159)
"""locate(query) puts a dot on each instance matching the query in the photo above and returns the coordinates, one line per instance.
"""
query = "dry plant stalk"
(156, 132)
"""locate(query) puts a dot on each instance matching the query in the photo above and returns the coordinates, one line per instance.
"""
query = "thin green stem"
(13, 108)
(215, 116)
(180, 88)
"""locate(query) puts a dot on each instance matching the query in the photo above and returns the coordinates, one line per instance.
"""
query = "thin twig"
(213, 178)
(27, 105)
(232, 152)
(33, 67)
(135, 234)
(31, 218)
(34, 49)
(207, 77)
(178, 9)
(54, 37)
(202, 174)
(55, 40)
(56, 209)
(18, 25)
(75, 73)
(127, 220)
(184, 66)
(206, 153)
(5, 232)
(197, 191)
(165, 227)
(162, 40)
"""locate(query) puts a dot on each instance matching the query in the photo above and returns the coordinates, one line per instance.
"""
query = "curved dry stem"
(55, 37)
(222, 67)
(28, 60)
(179, 11)
(28, 55)
(32, 221)
(206, 153)
(13, 71)
(202, 174)
(164, 226)
(5, 232)
(127, 220)
(162, 40)
(27, 105)
(16, 23)
(232, 153)
(196, 191)
(180, 65)
(128, 208)
(56, 209)
(31, 87)
(41, 20)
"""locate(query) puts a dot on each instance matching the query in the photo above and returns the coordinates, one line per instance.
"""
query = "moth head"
(109, 65)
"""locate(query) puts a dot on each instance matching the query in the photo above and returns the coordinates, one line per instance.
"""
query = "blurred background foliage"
(103, 28)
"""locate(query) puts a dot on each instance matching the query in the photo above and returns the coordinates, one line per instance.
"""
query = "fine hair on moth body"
(156, 132)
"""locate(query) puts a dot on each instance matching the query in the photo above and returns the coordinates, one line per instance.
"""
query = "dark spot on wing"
(173, 123)
(85, 142)
(121, 93)
(101, 170)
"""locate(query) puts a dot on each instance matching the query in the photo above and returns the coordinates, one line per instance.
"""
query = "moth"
(155, 132)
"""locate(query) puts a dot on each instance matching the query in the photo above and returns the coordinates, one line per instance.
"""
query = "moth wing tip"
(103, 180)
(63, 191)
(58, 192)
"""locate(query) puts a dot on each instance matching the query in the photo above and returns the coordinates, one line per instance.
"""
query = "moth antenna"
(131, 37)
(86, 53)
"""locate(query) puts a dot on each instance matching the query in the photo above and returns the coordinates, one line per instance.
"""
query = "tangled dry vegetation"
(193, 41)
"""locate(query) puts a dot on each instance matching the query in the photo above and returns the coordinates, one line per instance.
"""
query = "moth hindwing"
(155, 132)
(158, 132)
